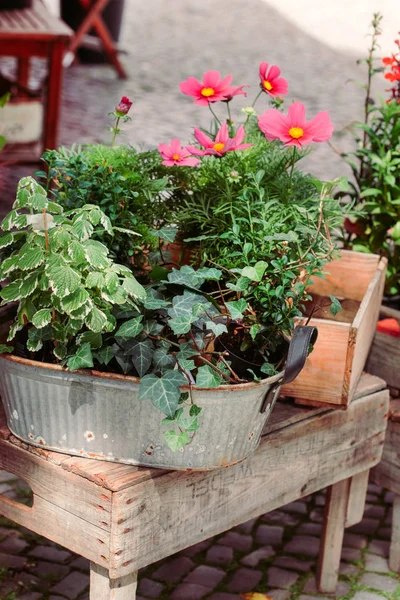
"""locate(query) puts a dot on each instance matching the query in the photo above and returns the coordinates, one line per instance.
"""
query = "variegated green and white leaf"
(105, 221)
(95, 279)
(11, 292)
(75, 300)
(118, 297)
(112, 282)
(133, 287)
(9, 220)
(42, 318)
(6, 239)
(29, 285)
(63, 280)
(5, 349)
(60, 351)
(96, 254)
(30, 259)
(83, 229)
(94, 339)
(76, 252)
(96, 320)
(14, 330)
(7, 266)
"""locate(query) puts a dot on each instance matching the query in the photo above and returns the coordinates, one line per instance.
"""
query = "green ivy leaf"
(142, 355)
(106, 354)
(268, 369)
(256, 272)
(187, 364)
(216, 328)
(42, 318)
(254, 329)
(63, 280)
(165, 233)
(162, 360)
(181, 312)
(335, 306)
(130, 329)
(186, 351)
(60, 351)
(176, 440)
(207, 377)
(152, 303)
(237, 308)
(89, 337)
(82, 359)
(163, 391)
(5, 349)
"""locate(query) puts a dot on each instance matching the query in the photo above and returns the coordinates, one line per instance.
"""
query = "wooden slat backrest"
(34, 23)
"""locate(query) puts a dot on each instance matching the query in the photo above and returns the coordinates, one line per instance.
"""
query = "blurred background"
(316, 44)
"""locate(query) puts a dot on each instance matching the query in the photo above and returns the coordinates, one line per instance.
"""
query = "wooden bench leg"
(104, 588)
(54, 92)
(332, 535)
(394, 554)
(357, 496)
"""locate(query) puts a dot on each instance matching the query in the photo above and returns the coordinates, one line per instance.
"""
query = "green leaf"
(176, 440)
(186, 351)
(94, 280)
(6, 240)
(186, 275)
(75, 300)
(106, 354)
(152, 303)
(63, 280)
(335, 306)
(216, 328)
(162, 360)
(268, 369)
(5, 349)
(190, 423)
(14, 330)
(256, 272)
(165, 233)
(9, 220)
(96, 254)
(39, 201)
(42, 318)
(194, 410)
(241, 284)
(207, 377)
(30, 259)
(142, 355)
(76, 252)
(89, 337)
(83, 229)
(130, 329)
(187, 364)
(82, 359)
(163, 391)
(237, 308)
(60, 351)
(112, 282)
(254, 329)
(96, 320)
(181, 312)
(29, 285)
(11, 292)
(133, 287)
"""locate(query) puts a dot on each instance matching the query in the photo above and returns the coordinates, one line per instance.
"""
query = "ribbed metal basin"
(98, 415)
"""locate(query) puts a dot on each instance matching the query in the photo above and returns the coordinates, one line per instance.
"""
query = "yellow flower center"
(176, 157)
(207, 92)
(267, 85)
(219, 146)
(296, 132)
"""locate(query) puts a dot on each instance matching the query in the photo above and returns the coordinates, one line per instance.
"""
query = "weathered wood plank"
(60, 526)
(384, 358)
(394, 552)
(332, 536)
(62, 489)
(104, 588)
(387, 473)
(357, 495)
(312, 454)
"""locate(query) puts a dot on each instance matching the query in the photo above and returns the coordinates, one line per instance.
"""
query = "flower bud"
(124, 106)
(249, 110)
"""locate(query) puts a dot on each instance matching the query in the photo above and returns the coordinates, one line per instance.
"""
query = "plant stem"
(256, 98)
(213, 114)
(224, 375)
(116, 131)
(292, 168)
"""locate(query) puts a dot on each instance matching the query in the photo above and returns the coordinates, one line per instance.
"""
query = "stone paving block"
(197, 548)
(364, 595)
(319, 500)
(380, 547)
(348, 569)
(150, 588)
(278, 516)
(244, 580)
(189, 591)
(301, 544)
(351, 554)
(281, 578)
(372, 498)
(374, 511)
(48, 570)
(384, 533)
(310, 587)
(32, 596)
(12, 562)
(279, 594)
(296, 564)
(72, 585)
(307, 597)
(13, 544)
(269, 534)
(309, 529)
(224, 596)
(298, 507)
(389, 497)
(219, 555)
(376, 563)
(354, 540)
(379, 582)
(374, 489)
(366, 527)
(80, 563)
(255, 557)
(246, 527)
(50, 553)
(237, 541)
(174, 569)
(206, 576)
(317, 515)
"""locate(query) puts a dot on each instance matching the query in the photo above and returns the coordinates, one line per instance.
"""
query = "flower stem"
(116, 130)
(293, 161)
(213, 114)
(256, 98)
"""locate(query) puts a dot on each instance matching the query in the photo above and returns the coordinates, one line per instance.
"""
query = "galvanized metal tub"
(98, 415)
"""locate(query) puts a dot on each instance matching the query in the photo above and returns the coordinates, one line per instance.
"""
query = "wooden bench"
(123, 518)
(35, 32)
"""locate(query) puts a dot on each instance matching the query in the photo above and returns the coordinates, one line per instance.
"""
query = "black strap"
(302, 337)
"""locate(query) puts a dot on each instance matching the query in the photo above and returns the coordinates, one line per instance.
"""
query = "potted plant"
(375, 226)
(206, 344)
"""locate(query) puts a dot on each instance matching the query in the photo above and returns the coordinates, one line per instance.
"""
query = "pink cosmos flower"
(211, 89)
(174, 154)
(293, 129)
(270, 82)
(222, 143)
(124, 106)
(234, 91)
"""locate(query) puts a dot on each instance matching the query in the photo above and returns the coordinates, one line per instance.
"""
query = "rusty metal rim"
(116, 376)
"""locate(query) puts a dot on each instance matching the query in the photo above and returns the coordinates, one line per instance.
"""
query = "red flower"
(270, 82)
(222, 143)
(293, 129)
(211, 89)
(388, 60)
(173, 154)
(124, 106)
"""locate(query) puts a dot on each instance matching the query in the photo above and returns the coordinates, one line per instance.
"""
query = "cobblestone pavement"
(275, 554)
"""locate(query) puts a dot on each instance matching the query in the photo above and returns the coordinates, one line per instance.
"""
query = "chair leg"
(394, 554)
(332, 536)
(104, 588)
(54, 92)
